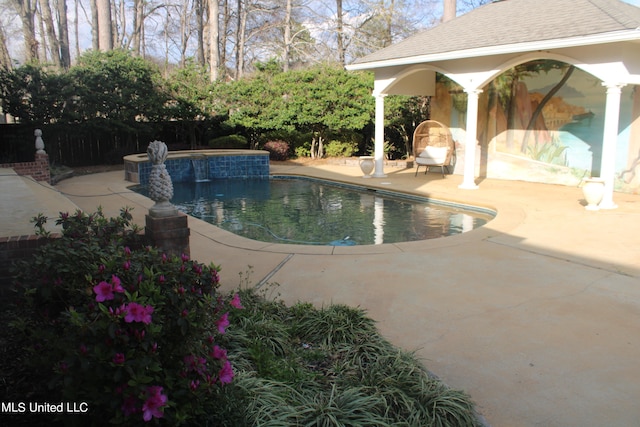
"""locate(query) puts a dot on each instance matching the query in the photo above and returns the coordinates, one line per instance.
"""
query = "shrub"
(278, 150)
(132, 332)
(341, 148)
(303, 151)
(230, 142)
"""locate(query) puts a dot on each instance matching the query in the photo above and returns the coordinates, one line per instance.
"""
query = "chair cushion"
(432, 156)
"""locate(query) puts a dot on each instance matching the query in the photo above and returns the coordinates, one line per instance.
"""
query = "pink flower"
(235, 302)
(116, 284)
(117, 312)
(222, 323)
(127, 251)
(152, 407)
(138, 313)
(194, 385)
(215, 278)
(104, 291)
(118, 358)
(218, 353)
(126, 265)
(184, 257)
(226, 373)
(146, 317)
(195, 364)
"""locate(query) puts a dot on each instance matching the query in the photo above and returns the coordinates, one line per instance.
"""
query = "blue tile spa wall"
(184, 169)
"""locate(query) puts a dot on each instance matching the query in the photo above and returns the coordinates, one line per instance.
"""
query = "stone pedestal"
(170, 233)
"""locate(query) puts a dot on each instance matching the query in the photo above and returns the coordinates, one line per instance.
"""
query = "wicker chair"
(433, 145)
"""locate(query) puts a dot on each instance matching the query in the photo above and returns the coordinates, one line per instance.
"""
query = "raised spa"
(201, 165)
(306, 211)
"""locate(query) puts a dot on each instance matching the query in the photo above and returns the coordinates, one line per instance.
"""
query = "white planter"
(367, 165)
(593, 190)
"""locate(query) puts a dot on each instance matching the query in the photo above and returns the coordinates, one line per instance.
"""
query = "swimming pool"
(306, 211)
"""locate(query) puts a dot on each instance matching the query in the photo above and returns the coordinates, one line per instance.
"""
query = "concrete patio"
(536, 315)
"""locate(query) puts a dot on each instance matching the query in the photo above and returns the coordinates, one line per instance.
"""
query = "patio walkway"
(536, 315)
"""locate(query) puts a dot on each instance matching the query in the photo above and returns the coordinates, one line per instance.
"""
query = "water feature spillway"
(200, 169)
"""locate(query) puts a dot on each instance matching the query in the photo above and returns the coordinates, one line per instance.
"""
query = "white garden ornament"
(160, 185)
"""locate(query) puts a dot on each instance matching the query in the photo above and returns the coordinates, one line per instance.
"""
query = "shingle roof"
(507, 22)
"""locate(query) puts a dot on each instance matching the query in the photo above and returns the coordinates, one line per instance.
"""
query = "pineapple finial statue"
(160, 186)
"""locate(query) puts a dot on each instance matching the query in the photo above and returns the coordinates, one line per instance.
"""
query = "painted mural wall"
(565, 144)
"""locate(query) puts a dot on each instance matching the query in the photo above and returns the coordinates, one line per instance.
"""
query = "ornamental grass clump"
(132, 332)
(329, 366)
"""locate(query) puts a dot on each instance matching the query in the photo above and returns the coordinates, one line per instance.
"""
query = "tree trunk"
(543, 102)
(320, 147)
(76, 29)
(286, 52)
(63, 34)
(240, 37)
(138, 22)
(105, 30)
(312, 151)
(42, 46)
(214, 49)
(449, 11)
(387, 37)
(184, 30)
(118, 36)
(95, 40)
(199, 8)
(5, 59)
(27, 11)
(226, 19)
(340, 33)
(54, 45)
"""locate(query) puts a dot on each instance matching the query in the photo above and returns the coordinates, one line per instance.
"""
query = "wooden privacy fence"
(94, 143)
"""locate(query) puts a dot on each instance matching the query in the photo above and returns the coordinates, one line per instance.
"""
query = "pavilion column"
(468, 180)
(609, 142)
(379, 137)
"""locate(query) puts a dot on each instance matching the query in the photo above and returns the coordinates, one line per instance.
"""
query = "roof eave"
(540, 45)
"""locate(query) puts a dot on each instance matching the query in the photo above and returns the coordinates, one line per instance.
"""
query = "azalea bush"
(278, 150)
(129, 330)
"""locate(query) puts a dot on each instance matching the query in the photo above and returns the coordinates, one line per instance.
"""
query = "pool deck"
(536, 315)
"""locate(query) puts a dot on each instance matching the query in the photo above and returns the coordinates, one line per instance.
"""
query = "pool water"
(316, 212)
